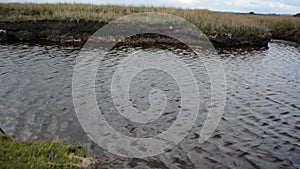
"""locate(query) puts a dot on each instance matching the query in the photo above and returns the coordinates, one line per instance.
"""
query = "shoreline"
(76, 33)
(72, 24)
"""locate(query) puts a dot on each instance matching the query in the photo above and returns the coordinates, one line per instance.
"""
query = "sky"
(257, 6)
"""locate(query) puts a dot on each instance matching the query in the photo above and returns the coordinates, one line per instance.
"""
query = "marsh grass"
(41, 154)
(208, 21)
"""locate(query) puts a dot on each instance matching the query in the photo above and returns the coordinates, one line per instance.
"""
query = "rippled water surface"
(259, 129)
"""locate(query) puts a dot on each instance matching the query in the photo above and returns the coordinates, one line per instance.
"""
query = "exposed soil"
(57, 32)
(78, 32)
(289, 35)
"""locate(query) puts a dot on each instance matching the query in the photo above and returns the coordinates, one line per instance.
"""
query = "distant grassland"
(208, 21)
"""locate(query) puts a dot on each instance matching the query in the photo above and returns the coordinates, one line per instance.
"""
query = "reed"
(208, 21)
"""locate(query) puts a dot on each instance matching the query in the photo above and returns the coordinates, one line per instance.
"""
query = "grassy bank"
(41, 154)
(210, 22)
(215, 24)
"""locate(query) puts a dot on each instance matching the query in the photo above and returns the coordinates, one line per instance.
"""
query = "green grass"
(209, 22)
(41, 154)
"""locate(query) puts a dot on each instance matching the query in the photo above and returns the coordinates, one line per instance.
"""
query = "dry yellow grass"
(208, 21)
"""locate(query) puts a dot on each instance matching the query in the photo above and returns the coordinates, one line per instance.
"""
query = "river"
(260, 127)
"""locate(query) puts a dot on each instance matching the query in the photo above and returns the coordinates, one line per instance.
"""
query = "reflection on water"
(260, 127)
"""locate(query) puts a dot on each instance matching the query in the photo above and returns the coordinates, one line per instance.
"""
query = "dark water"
(259, 129)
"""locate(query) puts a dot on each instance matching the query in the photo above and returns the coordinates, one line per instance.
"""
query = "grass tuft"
(41, 154)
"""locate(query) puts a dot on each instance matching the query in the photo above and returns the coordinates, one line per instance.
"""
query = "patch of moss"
(41, 154)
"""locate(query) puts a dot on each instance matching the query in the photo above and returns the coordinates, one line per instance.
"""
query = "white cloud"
(184, 1)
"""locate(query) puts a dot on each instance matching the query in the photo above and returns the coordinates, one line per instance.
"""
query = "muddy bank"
(77, 33)
(55, 32)
(288, 35)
